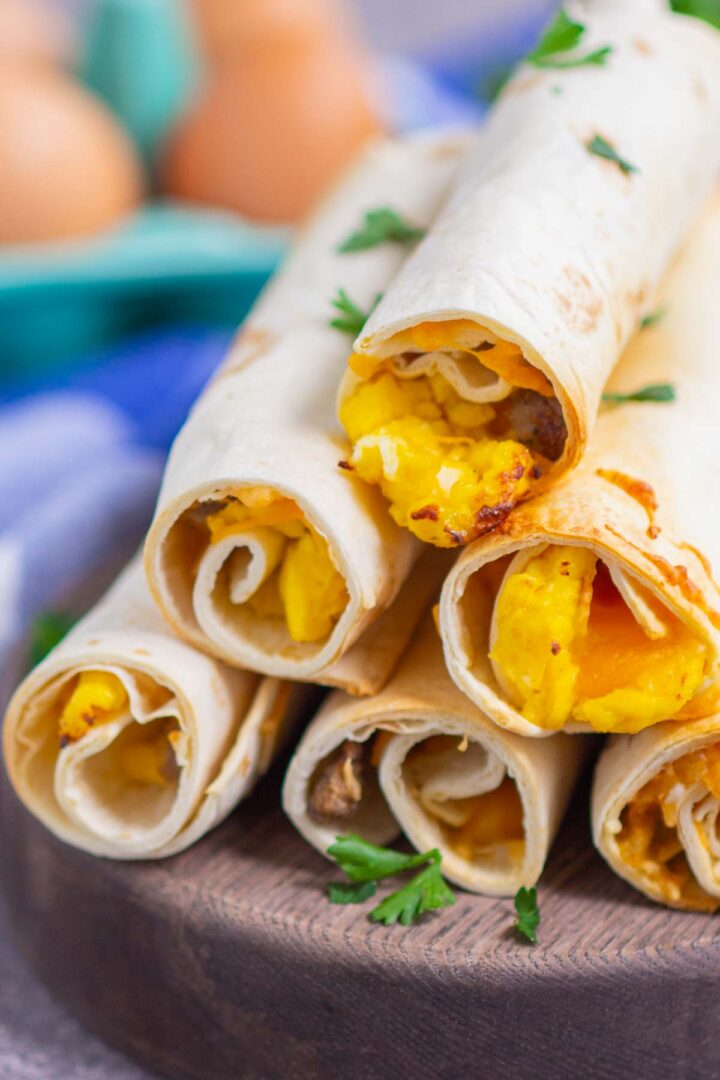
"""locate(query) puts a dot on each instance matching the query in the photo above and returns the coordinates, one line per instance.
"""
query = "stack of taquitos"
(475, 384)
(642, 630)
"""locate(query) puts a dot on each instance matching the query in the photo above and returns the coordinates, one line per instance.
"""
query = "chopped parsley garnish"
(351, 318)
(427, 891)
(528, 913)
(708, 10)
(561, 37)
(365, 863)
(653, 317)
(381, 226)
(657, 392)
(47, 631)
(350, 892)
(602, 148)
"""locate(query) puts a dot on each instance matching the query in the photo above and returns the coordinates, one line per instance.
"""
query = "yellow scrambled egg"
(98, 696)
(569, 648)
(649, 840)
(447, 479)
(425, 447)
(306, 589)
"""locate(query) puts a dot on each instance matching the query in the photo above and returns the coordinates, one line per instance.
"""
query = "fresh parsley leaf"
(350, 892)
(602, 148)
(363, 861)
(46, 632)
(381, 226)
(561, 37)
(528, 913)
(351, 318)
(657, 392)
(427, 891)
(653, 317)
(708, 10)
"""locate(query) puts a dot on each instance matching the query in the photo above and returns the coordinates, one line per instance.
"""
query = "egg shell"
(34, 30)
(270, 134)
(226, 28)
(67, 168)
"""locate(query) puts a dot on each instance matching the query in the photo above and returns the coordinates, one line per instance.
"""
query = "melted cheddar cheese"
(648, 840)
(568, 648)
(98, 696)
(306, 588)
(430, 451)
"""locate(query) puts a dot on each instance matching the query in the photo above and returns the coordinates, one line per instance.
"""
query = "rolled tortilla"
(263, 552)
(420, 758)
(594, 608)
(655, 811)
(476, 381)
(128, 743)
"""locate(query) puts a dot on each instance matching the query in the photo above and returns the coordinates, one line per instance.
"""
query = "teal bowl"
(168, 263)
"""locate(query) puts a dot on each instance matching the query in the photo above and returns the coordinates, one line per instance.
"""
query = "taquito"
(128, 743)
(594, 608)
(420, 758)
(656, 810)
(476, 381)
(262, 552)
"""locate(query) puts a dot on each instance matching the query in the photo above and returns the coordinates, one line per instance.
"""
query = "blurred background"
(155, 156)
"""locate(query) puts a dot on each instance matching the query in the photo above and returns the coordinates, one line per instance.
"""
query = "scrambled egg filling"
(98, 696)
(476, 825)
(426, 448)
(305, 589)
(568, 648)
(493, 818)
(648, 840)
(151, 760)
(449, 467)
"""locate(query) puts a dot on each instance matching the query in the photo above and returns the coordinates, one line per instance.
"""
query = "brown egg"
(67, 168)
(226, 26)
(33, 30)
(272, 131)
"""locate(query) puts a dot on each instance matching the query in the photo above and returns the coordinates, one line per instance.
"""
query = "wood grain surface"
(227, 962)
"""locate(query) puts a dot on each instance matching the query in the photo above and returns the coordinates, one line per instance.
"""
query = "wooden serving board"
(227, 963)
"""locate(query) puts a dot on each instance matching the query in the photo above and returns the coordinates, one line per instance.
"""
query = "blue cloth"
(152, 379)
(87, 515)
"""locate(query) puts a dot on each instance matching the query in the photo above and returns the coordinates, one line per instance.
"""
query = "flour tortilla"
(268, 420)
(625, 766)
(418, 703)
(230, 723)
(672, 447)
(551, 247)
